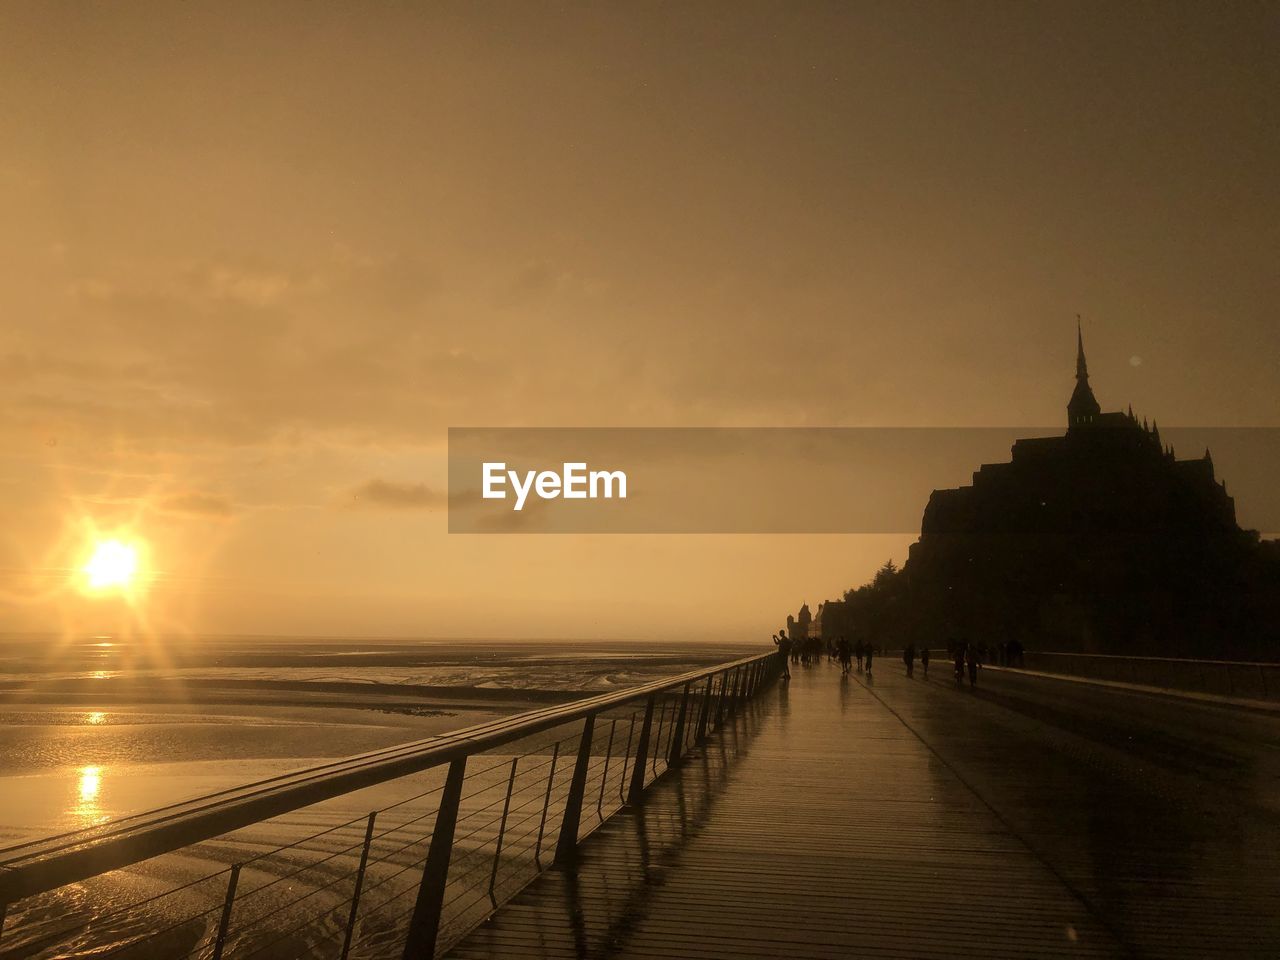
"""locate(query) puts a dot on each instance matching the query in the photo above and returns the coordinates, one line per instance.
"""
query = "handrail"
(1247, 679)
(1270, 664)
(43, 865)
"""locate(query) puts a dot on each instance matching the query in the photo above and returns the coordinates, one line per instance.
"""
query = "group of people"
(1006, 654)
(810, 650)
(847, 651)
(966, 657)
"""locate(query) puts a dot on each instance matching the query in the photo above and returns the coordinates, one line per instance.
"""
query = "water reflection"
(88, 787)
(95, 717)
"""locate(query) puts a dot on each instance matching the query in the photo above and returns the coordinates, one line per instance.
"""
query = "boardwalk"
(899, 818)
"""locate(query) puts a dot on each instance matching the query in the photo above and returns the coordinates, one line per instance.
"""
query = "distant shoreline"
(319, 693)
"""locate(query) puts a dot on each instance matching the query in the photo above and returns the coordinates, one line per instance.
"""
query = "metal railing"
(476, 815)
(1228, 678)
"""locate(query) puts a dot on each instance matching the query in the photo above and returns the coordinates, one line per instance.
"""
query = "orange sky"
(258, 258)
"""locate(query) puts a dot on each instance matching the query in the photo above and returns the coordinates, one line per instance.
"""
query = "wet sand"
(96, 728)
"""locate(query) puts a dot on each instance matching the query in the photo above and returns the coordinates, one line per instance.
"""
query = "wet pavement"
(896, 817)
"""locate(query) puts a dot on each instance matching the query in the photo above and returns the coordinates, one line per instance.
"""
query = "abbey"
(1096, 540)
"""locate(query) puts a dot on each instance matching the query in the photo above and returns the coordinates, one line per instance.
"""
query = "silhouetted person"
(870, 651)
(845, 651)
(783, 643)
(958, 650)
(909, 658)
(859, 651)
(924, 661)
(973, 666)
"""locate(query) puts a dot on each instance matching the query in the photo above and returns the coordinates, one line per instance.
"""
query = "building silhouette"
(1097, 540)
(799, 626)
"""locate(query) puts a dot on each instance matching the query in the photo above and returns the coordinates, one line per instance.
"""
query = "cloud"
(198, 283)
(198, 504)
(397, 496)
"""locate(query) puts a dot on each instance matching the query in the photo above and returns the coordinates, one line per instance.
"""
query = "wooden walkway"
(820, 825)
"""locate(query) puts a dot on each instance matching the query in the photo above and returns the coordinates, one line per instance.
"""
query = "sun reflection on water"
(95, 717)
(88, 787)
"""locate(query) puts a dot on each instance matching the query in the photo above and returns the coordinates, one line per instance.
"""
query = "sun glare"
(113, 565)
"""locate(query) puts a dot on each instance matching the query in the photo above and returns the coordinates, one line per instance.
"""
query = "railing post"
(704, 712)
(657, 743)
(502, 829)
(724, 688)
(626, 760)
(642, 754)
(568, 843)
(420, 942)
(355, 896)
(546, 804)
(604, 777)
(676, 753)
(224, 922)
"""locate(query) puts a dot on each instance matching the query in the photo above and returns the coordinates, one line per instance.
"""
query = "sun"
(113, 565)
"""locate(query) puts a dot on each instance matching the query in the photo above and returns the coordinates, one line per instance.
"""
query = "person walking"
(845, 652)
(870, 651)
(859, 650)
(909, 658)
(973, 666)
(924, 661)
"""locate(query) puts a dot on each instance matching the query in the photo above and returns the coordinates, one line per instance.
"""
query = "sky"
(256, 259)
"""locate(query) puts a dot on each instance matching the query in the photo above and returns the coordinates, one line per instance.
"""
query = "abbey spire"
(1082, 368)
(1082, 408)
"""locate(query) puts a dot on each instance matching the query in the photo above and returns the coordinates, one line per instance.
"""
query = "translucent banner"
(836, 480)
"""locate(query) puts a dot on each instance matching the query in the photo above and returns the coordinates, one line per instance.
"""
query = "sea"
(96, 728)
